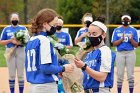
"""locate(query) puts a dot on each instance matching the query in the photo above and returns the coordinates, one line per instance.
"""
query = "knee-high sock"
(12, 85)
(131, 86)
(21, 86)
(119, 86)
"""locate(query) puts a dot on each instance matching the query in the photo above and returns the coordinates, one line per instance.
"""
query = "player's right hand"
(69, 68)
(14, 41)
(84, 34)
(123, 36)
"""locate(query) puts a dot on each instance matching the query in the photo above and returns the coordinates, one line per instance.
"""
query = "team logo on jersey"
(8, 31)
(91, 63)
(62, 40)
(63, 36)
(118, 31)
(10, 34)
(120, 34)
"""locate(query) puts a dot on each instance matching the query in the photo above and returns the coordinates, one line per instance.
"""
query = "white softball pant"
(43, 88)
(16, 63)
(125, 59)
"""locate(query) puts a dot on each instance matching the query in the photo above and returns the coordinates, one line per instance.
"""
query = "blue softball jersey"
(126, 44)
(8, 33)
(41, 61)
(80, 32)
(64, 38)
(101, 60)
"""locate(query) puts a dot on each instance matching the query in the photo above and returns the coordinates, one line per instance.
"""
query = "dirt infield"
(5, 89)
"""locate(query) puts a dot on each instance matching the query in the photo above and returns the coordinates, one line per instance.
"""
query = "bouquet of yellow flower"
(72, 82)
(23, 37)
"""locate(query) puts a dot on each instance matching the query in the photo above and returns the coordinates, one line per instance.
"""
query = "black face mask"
(87, 23)
(52, 31)
(14, 22)
(125, 23)
(95, 40)
(58, 27)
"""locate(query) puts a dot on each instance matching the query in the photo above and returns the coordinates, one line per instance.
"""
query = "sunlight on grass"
(2, 58)
(3, 63)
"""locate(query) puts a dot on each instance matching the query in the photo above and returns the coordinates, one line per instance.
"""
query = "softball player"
(16, 61)
(82, 33)
(98, 65)
(41, 60)
(125, 38)
(65, 39)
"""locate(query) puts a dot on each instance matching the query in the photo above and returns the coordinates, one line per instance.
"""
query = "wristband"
(84, 67)
(63, 69)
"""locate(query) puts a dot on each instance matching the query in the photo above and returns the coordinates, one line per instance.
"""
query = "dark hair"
(101, 18)
(44, 15)
(60, 17)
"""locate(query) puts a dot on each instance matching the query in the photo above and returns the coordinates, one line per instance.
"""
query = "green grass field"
(2, 58)
(3, 62)
(138, 56)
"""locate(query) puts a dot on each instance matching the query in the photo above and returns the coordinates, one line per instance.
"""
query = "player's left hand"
(85, 34)
(79, 63)
(14, 41)
(60, 75)
(131, 36)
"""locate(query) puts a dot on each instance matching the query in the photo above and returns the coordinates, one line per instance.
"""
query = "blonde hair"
(44, 15)
(86, 15)
(14, 13)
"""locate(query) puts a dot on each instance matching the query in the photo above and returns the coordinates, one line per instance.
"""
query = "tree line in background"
(26, 9)
(71, 10)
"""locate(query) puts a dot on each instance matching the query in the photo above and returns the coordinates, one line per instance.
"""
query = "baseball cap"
(88, 18)
(100, 25)
(60, 20)
(126, 16)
